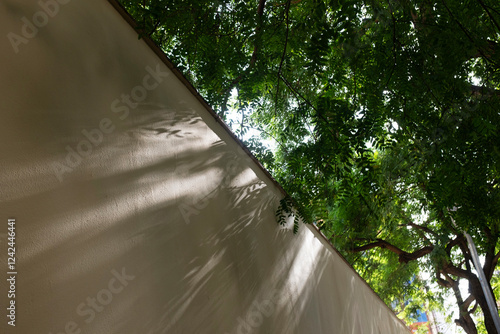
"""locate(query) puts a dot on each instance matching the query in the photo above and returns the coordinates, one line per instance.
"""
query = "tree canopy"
(385, 116)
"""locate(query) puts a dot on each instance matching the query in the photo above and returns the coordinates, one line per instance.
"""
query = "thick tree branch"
(444, 283)
(490, 263)
(380, 243)
(466, 254)
(464, 320)
(468, 301)
(490, 259)
(473, 309)
(448, 267)
(451, 269)
(457, 241)
(453, 284)
(404, 257)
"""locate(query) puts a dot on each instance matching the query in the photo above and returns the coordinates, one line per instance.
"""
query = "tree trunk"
(466, 323)
(464, 320)
(488, 318)
(481, 300)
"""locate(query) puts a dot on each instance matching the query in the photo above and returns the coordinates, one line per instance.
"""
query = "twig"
(489, 14)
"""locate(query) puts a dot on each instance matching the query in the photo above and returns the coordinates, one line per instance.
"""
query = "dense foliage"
(385, 117)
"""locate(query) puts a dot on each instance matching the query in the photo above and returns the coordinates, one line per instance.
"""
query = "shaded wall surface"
(135, 210)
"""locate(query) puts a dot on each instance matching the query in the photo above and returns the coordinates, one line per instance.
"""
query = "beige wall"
(161, 223)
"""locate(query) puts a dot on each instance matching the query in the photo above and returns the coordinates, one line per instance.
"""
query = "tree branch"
(483, 91)
(464, 320)
(404, 257)
(473, 309)
(468, 301)
(253, 59)
(444, 283)
(421, 227)
(467, 33)
(489, 14)
(488, 52)
(490, 263)
(420, 231)
(284, 50)
(394, 40)
(457, 241)
(297, 95)
(451, 269)
(287, 3)
(490, 259)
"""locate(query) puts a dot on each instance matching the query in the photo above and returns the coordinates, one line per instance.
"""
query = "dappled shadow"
(143, 217)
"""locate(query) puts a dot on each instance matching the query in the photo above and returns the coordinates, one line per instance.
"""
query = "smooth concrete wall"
(136, 212)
